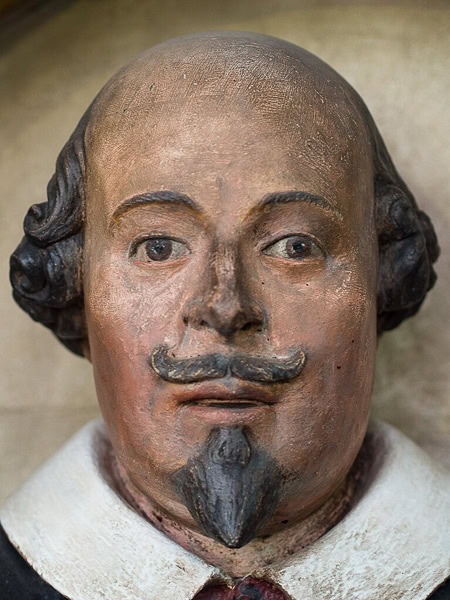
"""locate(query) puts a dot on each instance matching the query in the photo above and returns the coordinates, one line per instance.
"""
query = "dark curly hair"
(46, 266)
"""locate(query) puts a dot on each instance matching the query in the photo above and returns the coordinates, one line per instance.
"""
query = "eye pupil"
(158, 249)
(298, 248)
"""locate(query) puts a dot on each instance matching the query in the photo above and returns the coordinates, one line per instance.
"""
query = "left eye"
(159, 250)
(294, 247)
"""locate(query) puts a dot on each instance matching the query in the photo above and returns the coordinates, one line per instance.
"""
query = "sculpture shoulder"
(18, 581)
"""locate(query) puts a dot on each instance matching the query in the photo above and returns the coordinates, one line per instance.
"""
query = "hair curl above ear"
(46, 267)
(407, 242)
(407, 249)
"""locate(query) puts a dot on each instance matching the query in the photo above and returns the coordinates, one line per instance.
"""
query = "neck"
(259, 552)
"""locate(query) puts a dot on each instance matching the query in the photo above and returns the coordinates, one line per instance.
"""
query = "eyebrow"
(161, 197)
(179, 199)
(295, 196)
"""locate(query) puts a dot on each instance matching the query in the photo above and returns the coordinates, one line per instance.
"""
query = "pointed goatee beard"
(231, 488)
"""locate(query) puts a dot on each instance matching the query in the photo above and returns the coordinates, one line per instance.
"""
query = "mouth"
(227, 404)
(230, 396)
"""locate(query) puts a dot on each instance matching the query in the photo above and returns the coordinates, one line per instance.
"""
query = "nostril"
(185, 320)
(203, 324)
(246, 327)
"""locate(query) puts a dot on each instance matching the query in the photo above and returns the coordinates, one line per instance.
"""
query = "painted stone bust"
(225, 238)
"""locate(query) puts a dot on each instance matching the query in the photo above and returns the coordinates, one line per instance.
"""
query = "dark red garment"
(248, 589)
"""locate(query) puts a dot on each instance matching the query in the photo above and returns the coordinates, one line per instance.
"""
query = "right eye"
(159, 249)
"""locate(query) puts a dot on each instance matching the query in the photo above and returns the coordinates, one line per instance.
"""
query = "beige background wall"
(396, 54)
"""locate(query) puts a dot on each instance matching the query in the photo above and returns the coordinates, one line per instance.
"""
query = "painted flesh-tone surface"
(208, 130)
(98, 547)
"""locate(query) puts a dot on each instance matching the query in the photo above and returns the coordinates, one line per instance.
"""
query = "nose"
(223, 303)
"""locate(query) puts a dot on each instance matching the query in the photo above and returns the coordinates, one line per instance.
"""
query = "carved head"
(224, 238)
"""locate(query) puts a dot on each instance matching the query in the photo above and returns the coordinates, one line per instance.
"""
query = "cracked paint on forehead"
(199, 83)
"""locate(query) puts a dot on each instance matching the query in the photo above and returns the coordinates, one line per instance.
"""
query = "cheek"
(128, 315)
(129, 307)
(323, 421)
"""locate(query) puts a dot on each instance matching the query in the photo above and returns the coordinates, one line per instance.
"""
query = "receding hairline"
(223, 63)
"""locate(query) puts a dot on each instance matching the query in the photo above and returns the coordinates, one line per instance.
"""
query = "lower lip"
(226, 412)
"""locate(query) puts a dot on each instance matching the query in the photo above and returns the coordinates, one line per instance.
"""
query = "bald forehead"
(275, 81)
(224, 63)
(195, 105)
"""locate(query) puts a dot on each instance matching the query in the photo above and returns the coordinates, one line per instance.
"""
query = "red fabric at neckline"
(248, 588)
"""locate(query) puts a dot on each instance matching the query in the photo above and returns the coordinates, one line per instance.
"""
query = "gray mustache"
(215, 366)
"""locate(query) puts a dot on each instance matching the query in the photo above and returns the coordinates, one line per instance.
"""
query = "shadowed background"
(55, 57)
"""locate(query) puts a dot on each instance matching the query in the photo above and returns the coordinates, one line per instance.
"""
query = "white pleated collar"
(86, 542)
